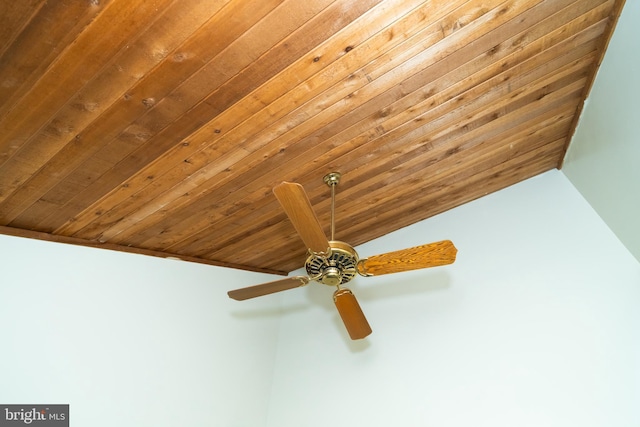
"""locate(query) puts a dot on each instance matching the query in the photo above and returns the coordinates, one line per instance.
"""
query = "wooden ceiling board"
(160, 127)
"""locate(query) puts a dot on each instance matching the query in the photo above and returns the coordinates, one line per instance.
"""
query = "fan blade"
(297, 206)
(431, 255)
(351, 313)
(268, 288)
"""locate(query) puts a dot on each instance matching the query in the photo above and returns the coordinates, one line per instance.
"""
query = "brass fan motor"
(335, 268)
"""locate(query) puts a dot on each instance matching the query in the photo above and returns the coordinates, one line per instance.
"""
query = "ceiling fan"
(335, 263)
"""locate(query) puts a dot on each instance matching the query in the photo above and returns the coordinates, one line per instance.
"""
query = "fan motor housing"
(336, 268)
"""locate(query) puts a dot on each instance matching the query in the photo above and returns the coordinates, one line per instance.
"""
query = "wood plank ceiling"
(161, 126)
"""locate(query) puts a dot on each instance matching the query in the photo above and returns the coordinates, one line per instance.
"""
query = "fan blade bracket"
(323, 254)
(361, 269)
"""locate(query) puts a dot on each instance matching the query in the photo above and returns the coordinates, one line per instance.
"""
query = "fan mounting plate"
(332, 178)
(333, 269)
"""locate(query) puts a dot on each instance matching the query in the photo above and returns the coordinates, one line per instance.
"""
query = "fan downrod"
(332, 179)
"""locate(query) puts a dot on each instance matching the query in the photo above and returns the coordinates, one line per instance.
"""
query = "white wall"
(131, 340)
(536, 324)
(603, 160)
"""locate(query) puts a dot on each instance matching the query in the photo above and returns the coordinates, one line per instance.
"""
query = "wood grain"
(296, 205)
(162, 127)
(268, 288)
(423, 256)
(351, 314)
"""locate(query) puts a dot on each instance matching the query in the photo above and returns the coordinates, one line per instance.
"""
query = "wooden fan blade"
(297, 206)
(268, 288)
(431, 255)
(351, 314)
